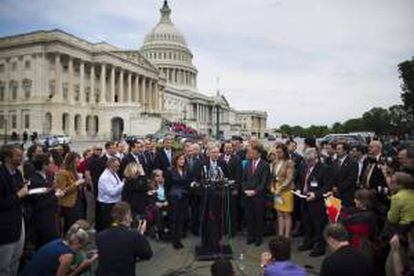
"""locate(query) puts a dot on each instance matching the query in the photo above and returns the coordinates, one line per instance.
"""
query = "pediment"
(136, 57)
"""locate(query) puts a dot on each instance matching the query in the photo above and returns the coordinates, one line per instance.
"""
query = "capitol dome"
(166, 47)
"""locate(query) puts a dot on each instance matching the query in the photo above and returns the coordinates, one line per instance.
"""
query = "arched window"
(65, 123)
(27, 87)
(88, 126)
(77, 122)
(2, 91)
(96, 124)
(13, 88)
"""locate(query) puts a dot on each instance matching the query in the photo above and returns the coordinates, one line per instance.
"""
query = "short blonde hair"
(131, 170)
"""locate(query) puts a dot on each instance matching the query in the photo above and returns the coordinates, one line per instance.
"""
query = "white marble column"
(136, 88)
(82, 82)
(58, 78)
(162, 96)
(71, 93)
(102, 97)
(129, 89)
(92, 84)
(121, 87)
(38, 91)
(143, 92)
(182, 77)
(20, 91)
(112, 86)
(151, 95)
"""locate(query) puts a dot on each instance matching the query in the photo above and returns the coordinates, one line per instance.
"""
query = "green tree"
(406, 71)
(354, 125)
(337, 127)
(400, 120)
(286, 130)
(378, 120)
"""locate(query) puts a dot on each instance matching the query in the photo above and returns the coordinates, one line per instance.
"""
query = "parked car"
(63, 139)
(351, 139)
(271, 138)
(49, 141)
(131, 138)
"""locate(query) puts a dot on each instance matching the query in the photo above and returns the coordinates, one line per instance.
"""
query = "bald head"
(375, 148)
(195, 149)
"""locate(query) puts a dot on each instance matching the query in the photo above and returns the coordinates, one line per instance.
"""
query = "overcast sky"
(303, 61)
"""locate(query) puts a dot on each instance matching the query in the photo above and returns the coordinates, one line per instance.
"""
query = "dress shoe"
(258, 242)
(305, 247)
(316, 253)
(250, 241)
(178, 245)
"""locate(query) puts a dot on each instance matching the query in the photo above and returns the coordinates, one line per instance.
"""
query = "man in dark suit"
(254, 182)
(359, 155)
(135, 148)
(231, 163)
(150, 152)
(12, 191)
(327, 153)
(195, 162)
(164, 156)
(232, 167)
(96, 164)
(316, 181)
(298, 162)
(237, 142)
(374, 178)
(346, 175)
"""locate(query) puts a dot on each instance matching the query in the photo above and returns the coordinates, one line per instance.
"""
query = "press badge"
(314, 184)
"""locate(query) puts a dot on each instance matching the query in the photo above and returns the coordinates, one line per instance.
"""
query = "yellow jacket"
(66, 181)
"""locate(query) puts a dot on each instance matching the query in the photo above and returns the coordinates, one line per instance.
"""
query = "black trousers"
(314, 220)
(44, 226)
(179, 208)
(70, 215)
(103, 215)
(254, 213)
(195, 202)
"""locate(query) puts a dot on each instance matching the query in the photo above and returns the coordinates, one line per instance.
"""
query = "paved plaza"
(167, 261)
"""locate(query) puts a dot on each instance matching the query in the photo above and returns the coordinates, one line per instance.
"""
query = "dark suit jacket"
(161, 160)
(135, 193)
(299, 163)
(377, 178)
(232, 169)
(319, 181)
(11, 214)
(258, 180)
(178, 185)
(346, 177)
(150, 157)
(119, 249)
(195, 169)
(41, 201)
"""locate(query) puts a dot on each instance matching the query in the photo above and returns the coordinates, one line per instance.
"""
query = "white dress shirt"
(109, 187)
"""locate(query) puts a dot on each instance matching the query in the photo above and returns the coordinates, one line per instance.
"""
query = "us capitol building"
(55, 83)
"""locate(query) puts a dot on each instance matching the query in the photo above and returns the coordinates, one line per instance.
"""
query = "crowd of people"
(53, 200)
